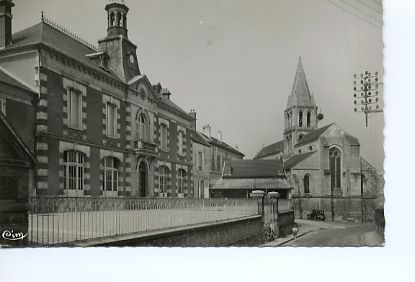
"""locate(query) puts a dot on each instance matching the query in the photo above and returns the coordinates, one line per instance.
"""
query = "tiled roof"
(215, 142)
(251, 183)
(47, 34)
(272, 149)
(293, 161)
(9, 79)
(254, 168)
(313, 135)
(198, 138)
(171, 104)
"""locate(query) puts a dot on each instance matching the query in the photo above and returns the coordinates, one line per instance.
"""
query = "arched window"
(111, 167)
(143, 127)
(306, 184)
(300, 119)
(308, 119)
(163, 179)
(181, 181)
(335, 167)
(73, 172)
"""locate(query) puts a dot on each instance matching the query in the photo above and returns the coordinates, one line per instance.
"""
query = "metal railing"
(60, 220)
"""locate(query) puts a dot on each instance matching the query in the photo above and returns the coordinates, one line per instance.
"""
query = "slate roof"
(47, 34)
(198, 138)
(9, 79)
(300, 93)
(293, 161)
(272, 149)
(254, 168)
(313, 135)
(215, 142)
(18, 140)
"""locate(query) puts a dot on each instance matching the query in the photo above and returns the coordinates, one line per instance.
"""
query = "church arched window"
(306, 184)
(300, 119)
(308, 119)
(335, 167)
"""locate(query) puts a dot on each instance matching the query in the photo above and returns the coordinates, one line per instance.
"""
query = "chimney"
(166, 94)
(192, 114)
(220, 135)
(207, 131)
(6, 23)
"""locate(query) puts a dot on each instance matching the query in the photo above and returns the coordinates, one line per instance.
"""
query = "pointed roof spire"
(300, 93)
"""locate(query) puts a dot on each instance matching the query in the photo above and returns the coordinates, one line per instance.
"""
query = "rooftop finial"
(42, 16)
(117, 2)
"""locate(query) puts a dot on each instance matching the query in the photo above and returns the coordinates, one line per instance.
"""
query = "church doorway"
(142, 174)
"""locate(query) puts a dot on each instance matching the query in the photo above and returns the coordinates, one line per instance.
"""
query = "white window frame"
(111, 120)
(111, 173)
(76, 168)
(74, 108)
(143, 127)
(163, 179)
(181, 180)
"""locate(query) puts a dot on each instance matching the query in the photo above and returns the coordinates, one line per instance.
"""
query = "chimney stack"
(192, 114)
(220, 135)
(6, 23)
(207, 131)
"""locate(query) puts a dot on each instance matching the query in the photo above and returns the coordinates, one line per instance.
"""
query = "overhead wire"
(356, 15)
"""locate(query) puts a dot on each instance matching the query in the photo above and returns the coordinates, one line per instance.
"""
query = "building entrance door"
(142, 172)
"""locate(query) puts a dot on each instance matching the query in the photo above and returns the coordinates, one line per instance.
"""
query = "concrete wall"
(240, 232)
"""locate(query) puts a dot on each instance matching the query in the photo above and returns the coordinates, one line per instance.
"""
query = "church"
(322, 164)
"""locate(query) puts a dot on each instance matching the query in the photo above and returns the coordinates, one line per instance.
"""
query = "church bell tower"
(120, 50)
(300, 115)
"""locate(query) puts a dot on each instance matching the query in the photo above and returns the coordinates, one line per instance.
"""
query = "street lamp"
(366, 93)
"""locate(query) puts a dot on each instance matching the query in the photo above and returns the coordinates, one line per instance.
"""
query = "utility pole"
(367, 94)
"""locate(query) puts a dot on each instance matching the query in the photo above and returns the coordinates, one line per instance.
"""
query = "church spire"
(300, 93)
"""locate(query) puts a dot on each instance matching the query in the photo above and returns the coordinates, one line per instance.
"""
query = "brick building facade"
(100, 127)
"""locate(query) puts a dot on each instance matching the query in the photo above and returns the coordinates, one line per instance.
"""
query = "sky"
(234, 61)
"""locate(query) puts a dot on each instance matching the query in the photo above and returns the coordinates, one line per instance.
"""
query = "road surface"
(336, 234)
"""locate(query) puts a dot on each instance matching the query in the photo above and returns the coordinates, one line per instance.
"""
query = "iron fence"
(60, 220)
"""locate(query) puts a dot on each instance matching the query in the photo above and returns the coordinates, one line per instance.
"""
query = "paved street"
(331, 234)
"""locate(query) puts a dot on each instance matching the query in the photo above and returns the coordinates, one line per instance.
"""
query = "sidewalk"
(303, 229)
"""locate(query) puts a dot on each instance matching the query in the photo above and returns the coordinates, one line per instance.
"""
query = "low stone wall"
(344, 208)
(238, 232)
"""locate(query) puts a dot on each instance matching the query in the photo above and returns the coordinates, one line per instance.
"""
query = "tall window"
(111, 120)
(143, 127)
(74, 108)
(214, 156)
(111, 166)
(163, 178)
(181, 181)
(308, 119)
(300, 119)
(199, 161)
(163, 137)
(73, 172)
(335, 167)
(306, 184)
(218, 165)
(180, 142)
(3, 105)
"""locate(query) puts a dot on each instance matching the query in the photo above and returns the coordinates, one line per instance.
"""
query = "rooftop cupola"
(117, 18)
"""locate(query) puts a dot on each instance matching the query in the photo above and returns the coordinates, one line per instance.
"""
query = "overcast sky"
(234, 61)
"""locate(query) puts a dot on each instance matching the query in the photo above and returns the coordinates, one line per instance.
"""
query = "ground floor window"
(111, 170)
(73, 173)
(181, 181)
(163, 178)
